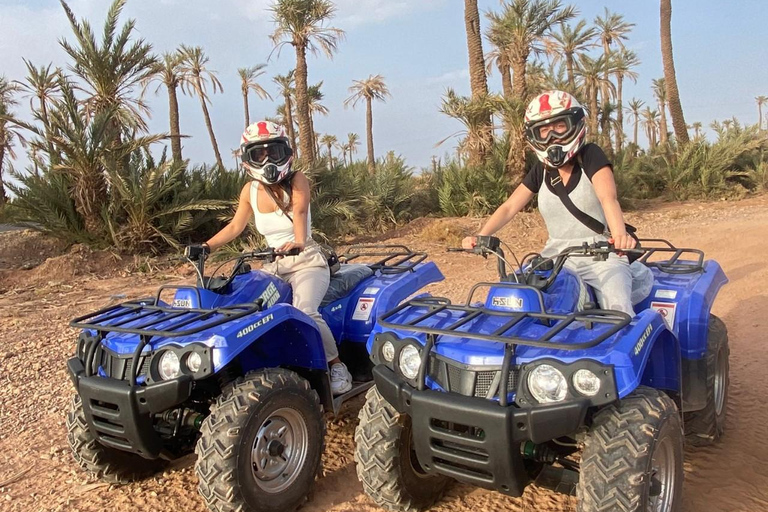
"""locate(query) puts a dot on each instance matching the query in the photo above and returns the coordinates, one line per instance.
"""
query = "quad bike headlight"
(388, 351)
(409, 362)
(193, 362)
(547, 384)
(586, 382)
(169, 366)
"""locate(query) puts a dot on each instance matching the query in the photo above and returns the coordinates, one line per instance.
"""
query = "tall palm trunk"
(173, 115)
(619, 113)
(605, 138)
(315, 145)
(477, 79)
(506, 77)
(593, 111)
(3, 197)
(208, 125)
(90, 195)
(245, 109)
(759, 116)
(306, 136)
(673, 95)
(663, 130)
(369, 136)
(289, 119)
(516, 155)
(569, 66)
(635, 139)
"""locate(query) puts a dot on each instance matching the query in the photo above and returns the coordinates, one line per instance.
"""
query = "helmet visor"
(259, 154)
(561, 128)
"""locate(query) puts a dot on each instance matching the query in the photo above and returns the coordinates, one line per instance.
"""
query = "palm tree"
(167, 72)
(611, 28)
(634, 110)
(285, 82)
(675, 107)
(315, 96)
(248, 83)
(499, 38)
(696, 129)
(110, 71)
(761, 100)
(353, 140)
(196, 77)
(8, 91)
(477, 77)
(568, 45)
(592, 73)
(329, 141)
(623, 62)
(372, 88)
(42, 85)
(660, 92)
(650, 123)
(300, 23)
(471, 112)
(526, 22)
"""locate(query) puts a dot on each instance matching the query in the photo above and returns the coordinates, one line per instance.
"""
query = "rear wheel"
(706, 426)
(108, 464)
(633, 456)
(386, 463)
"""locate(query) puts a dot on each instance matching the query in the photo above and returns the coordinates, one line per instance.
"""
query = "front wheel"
(261, 446)
(633, 456)
(386, 463)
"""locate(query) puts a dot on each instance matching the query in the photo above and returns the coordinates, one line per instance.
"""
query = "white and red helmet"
(555, 127)
(266, 153)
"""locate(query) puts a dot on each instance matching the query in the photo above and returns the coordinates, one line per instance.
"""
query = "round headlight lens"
(388, 351)
(194, 362)
(586, 382)
(169, 367)
(547, 384)
(410, 360)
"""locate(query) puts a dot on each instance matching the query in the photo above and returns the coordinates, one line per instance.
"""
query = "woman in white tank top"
(278, 199)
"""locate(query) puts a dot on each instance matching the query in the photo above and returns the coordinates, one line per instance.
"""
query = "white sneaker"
(341, 380)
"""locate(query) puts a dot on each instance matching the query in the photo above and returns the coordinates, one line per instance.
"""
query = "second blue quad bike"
(229, 369)
(528, 381)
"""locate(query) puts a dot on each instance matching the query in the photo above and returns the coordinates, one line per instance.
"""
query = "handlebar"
(269, 254)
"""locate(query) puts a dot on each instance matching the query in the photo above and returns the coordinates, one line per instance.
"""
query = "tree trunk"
(673, 95)
(289, 120)
(506, 78)
(477, 79)
(173, 115)
(593, 114)
(663, 130)
(571, 76)
(306, 151)
(605, 138)
(369, 136)
(635, 139)
(3, 197)
(315, 144)
(516, 155)
(619, 113)
(90, 196)
(245, 108)
(759, 116)
(208, 125)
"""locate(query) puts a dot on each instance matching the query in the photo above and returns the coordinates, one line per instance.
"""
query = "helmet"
(555, 127)
(266, 153)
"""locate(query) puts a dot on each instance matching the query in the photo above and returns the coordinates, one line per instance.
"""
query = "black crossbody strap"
(586, 219)
(278, 203)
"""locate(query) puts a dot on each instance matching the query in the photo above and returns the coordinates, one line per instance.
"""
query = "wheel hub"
(279, 450)
(661, 485)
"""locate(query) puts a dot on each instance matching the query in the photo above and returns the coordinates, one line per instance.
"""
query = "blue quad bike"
(230, 369)
(506, 391)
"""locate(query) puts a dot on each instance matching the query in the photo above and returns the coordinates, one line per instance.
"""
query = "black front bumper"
(476, 440)
(121, 415)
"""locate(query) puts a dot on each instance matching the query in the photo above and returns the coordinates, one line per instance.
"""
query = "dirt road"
(37, 472)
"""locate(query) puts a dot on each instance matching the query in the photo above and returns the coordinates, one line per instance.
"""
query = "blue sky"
(417, 45)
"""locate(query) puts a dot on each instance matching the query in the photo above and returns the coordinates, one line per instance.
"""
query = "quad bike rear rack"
(557, 323)
(149, 313)
(672, 265)
(389, 259)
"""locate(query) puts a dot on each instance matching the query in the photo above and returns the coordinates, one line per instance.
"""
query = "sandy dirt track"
(37, 472)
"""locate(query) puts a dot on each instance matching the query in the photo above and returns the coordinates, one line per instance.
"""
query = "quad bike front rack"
(557, 323)
(388, 259)
(144, 314)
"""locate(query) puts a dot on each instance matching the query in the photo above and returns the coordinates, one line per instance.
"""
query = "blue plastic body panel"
(646, 352)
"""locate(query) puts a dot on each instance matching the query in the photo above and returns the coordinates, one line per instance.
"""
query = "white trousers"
(309, 277)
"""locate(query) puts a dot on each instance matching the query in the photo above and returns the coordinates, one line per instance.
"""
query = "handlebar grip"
(292, 252)
(457, 249)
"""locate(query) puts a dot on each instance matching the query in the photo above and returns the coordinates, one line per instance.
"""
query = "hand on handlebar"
(623, 242)
(289, 249)
(469, 242)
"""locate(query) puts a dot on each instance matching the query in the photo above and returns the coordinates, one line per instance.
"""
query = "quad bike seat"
(344, 281)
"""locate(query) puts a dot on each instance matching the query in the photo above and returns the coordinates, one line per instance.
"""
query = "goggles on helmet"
(562, 128)
(259, 154)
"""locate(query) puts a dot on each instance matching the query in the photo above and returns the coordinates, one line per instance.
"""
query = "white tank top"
(275, 226)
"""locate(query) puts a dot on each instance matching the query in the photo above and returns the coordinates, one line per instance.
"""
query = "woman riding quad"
(278, 198)
(577, 198)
